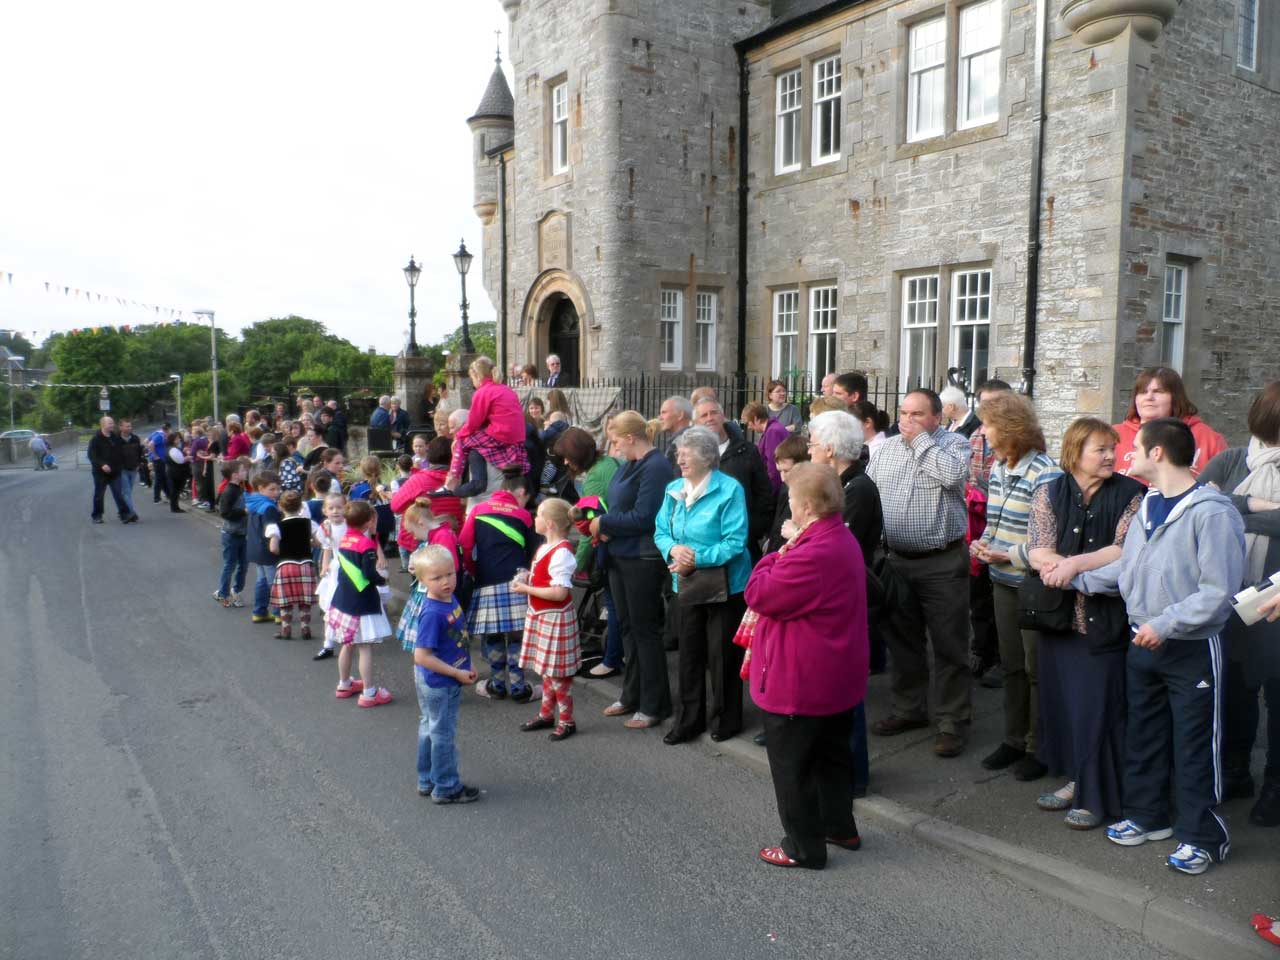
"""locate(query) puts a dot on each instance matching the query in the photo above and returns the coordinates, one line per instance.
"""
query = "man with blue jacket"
(1183, 560)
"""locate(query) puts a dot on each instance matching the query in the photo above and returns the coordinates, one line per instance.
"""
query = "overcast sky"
(257, 159)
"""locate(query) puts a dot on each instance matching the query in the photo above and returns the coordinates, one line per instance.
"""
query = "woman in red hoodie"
(809, 665)
(1158, 393)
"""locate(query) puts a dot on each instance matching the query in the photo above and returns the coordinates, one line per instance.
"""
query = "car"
(17, 435)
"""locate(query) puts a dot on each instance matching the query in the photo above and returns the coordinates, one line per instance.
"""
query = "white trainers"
(1189, 859)
(1129, 834)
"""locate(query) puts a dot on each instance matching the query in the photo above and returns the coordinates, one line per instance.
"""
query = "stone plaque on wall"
(553, 242)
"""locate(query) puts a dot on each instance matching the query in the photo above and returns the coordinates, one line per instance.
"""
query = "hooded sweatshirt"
(262, 513)
(1209, 443)
(1178, 577)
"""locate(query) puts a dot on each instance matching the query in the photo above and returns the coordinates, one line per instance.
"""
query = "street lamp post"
(462, 260)
(411, 274)
(12, 362)
(213, 357)
(177, 378)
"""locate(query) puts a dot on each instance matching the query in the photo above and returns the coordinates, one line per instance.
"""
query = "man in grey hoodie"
(1183, 560)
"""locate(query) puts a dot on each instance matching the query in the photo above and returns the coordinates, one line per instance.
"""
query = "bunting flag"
(90, 296)
(109, 386)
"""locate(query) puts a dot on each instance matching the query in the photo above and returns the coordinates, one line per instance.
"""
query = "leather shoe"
(1002, 756)
(948, 745)
(1029, 768)
(673, 737)
(893, 725)
(722, 737)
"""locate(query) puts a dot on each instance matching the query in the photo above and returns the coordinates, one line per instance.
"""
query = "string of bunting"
(165, 313)
(99, 386)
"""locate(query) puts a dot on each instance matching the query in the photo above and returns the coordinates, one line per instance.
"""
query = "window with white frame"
(926, 89)
(704, 330)
(824, 315)
(971, 324)
(1247, 34)
(978, 98)
(827, 83)
(786, 326)
(919, 345)
(788, 112)
(1173, 325)
(560, 128)
(671, 329)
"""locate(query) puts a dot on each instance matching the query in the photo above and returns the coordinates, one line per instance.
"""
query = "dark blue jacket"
(492, 550)
(635, 497)
(262, 513)
(349, 597)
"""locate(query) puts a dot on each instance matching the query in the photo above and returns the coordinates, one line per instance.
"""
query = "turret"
(492, 125)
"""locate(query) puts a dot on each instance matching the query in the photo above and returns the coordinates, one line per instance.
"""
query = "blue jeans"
(127, 480)
(502, 653)
(858, 745)
(262, 588)
(613, 634)
(234, 547)
(437, 730)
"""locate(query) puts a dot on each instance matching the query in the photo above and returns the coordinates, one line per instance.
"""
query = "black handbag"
(1045, 608)
(705, 585)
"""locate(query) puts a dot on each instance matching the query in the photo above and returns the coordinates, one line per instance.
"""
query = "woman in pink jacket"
(809, 664)
(495, 425)
(1160, 392)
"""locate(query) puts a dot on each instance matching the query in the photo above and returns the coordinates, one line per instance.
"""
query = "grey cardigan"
(1257, 647)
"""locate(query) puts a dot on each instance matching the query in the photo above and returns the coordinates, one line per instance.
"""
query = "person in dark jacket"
(131, 457)
(235, 523)
(790, 451)
(261, 506)
(1251, 477)
(105, 459)
(636, 570)
(740, 459)
(1078, 521)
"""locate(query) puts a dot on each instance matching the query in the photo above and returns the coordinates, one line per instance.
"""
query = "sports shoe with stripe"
(1129, 834)
(1189, 859)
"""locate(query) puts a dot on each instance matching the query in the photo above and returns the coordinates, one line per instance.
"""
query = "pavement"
(175, 783)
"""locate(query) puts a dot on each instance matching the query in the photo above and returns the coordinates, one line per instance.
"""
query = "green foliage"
(484, 337)
(270, 351)
(92, 358)
(337, 362)
(18, 344)
(197, 395)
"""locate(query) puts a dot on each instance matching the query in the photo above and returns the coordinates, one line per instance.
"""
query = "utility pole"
(213, 355)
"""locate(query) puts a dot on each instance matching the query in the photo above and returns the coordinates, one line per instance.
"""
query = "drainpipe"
(743, 191)
(502, 268)
(1037, 198)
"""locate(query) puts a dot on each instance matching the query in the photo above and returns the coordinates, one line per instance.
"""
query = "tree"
(91, 357)
(270, 351)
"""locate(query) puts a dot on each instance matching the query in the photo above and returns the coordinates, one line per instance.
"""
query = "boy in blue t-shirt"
(443, 667)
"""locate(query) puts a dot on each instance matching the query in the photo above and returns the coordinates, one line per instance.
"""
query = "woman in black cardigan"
(1078, 522)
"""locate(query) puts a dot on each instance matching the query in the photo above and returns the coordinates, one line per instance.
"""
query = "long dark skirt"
(1082, 720)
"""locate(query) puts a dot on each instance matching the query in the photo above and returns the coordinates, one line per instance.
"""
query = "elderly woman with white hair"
(956, 412)
(701, 531)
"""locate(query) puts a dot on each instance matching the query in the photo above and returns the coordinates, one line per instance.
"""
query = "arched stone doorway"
(563, 337)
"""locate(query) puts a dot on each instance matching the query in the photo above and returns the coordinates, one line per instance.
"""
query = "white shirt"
(561, 567)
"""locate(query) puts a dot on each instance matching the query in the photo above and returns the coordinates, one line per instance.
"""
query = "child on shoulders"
(495, 426)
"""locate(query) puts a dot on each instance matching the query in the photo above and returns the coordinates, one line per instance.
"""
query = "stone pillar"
(460, 385)
(412, 374)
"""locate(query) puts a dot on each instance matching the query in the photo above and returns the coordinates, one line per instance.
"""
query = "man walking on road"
(157, 449)
(130, 460)
(921, 475)
(39, 447)
(104, 460)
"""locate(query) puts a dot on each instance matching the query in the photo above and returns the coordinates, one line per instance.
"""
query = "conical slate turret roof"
(497, 101)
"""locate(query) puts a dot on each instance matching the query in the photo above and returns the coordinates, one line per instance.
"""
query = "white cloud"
(256, 159)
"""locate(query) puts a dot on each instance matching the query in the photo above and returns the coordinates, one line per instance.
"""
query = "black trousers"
(1175, 724)
(176, 479)
(1240, 725)
(159, 479)
(636, 586)
(985, 644)
(101, 483)
(812, 769)
(707, 647)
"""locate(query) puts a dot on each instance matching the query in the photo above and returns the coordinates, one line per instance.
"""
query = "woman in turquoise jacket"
(701, 531)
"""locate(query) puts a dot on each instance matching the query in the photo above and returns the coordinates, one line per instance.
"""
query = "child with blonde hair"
(427, 529)
(355, 613)
(330, 534)
(551, 625)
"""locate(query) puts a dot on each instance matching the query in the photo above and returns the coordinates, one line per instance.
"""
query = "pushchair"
(50, 462)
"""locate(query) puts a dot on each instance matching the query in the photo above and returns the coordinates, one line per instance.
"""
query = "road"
(176, 783)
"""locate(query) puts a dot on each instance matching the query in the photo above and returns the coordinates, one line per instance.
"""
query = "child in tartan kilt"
(495, 426)
(551, 625)
(427, 529)
(294, 586)
(355, 613)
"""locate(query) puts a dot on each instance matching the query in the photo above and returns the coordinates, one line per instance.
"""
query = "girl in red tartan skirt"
(355, 614)
(551, 625)
(294, 586)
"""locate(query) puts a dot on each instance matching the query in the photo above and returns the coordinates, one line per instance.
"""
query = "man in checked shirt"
(921, 476)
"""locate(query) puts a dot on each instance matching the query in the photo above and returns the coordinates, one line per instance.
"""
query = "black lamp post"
(462, 260)
(411, 274)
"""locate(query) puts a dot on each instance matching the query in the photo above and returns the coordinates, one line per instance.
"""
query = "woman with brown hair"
(636, 569)
(1160, 392)
(1078, 523)
(557, 402)
(1022, 466)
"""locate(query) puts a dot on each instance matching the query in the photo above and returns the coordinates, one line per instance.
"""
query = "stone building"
(1057, 192)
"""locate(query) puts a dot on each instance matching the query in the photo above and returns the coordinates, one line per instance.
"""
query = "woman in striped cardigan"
(1022, 465)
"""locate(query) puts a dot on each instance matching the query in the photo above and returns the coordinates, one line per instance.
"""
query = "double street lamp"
(462, 261)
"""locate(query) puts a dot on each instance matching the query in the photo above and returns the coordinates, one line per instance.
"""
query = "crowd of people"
(791, 558)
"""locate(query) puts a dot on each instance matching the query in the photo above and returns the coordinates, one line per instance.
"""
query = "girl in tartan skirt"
(426, 528)
(294, 586)
(330, 534)
(356, 617)
(551, 624)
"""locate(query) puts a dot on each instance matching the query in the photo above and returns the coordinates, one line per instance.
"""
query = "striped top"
(1009, 496)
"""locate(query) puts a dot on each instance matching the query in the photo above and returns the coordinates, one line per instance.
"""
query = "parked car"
(18, 435)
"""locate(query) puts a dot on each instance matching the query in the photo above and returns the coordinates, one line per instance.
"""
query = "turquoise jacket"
(715, 527)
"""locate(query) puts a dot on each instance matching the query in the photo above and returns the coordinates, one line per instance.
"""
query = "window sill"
(558, 179)
(949, 141)
(815, 171)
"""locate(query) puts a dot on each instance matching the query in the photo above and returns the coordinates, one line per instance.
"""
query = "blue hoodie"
(1179, 577)
(262, 513)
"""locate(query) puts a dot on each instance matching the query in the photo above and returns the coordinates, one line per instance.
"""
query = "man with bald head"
(105, 459)
(740, 459)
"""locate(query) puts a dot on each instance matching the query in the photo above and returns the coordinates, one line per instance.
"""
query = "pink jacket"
(1209, 443)
(495, 409)
(810, 654)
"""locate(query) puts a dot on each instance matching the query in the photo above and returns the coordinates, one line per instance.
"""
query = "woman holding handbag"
(1022, 466)
(701, 531)
(1078, 523)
